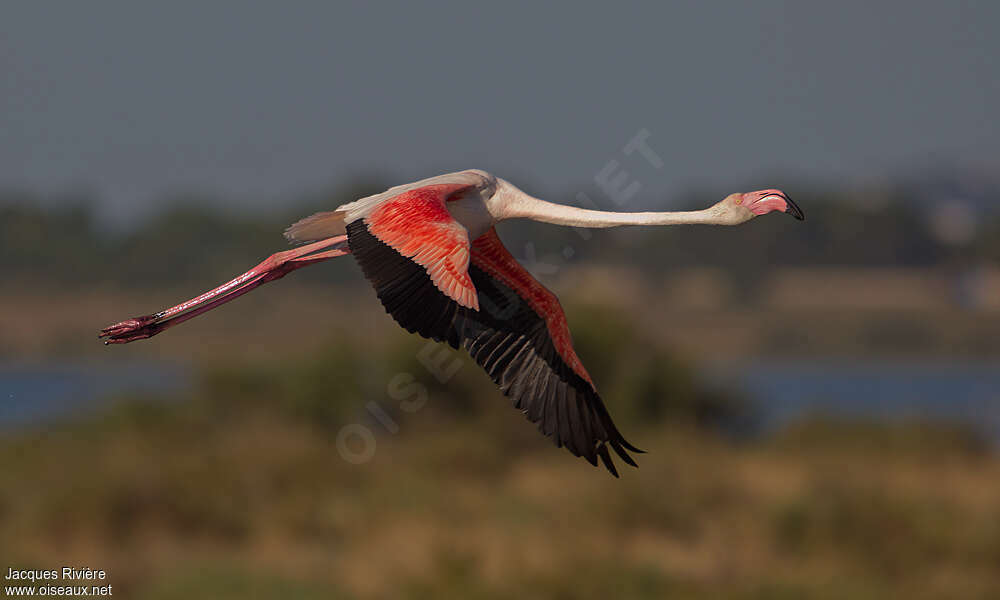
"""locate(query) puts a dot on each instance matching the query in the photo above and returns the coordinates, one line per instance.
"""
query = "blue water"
(781, 391)
(32, 393)
(784, 391)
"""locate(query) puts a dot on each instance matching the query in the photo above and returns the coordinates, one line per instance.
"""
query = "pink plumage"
(432, 254)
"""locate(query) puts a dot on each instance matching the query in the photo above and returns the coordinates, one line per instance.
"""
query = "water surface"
(781, 391)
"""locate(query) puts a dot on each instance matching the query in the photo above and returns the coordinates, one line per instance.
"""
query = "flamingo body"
(432, 254)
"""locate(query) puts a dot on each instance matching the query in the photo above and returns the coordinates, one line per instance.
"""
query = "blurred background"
(820, 401)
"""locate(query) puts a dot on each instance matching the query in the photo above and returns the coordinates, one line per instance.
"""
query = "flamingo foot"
(130, 330)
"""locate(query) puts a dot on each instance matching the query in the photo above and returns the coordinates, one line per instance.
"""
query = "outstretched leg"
(274, 267)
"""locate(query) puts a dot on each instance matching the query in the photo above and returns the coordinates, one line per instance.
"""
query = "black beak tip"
(794, 210)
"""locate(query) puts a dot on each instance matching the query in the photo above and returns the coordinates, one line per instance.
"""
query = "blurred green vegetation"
(632, 368)
(195, 240)
(236, 489)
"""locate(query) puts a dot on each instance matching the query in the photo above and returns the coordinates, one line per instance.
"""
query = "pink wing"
(418, 226)
(518, 335)
(490, 255)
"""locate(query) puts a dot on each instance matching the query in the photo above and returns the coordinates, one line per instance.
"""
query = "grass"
(236, 488)
(176, 502)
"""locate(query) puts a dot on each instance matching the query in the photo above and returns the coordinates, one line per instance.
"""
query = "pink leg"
(274, 267)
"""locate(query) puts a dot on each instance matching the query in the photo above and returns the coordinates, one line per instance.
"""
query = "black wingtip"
(602, 451)
(630, 447)
(616, 446)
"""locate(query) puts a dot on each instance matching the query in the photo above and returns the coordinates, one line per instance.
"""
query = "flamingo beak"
(793, 209)
(765, 201)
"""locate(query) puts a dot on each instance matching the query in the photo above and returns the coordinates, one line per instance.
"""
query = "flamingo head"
(761, 202)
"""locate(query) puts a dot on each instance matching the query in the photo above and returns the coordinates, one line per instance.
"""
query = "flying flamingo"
(430, 250)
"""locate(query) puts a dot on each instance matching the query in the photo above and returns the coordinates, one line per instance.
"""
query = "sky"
(259, 103)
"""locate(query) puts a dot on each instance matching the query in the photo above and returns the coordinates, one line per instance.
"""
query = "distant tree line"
(196, 241)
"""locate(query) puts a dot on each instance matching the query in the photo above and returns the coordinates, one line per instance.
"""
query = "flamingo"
(432, 254)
